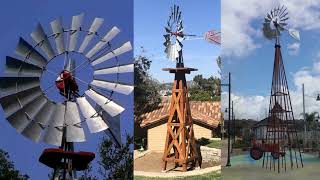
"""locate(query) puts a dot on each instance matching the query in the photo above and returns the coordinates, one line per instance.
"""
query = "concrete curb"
(177, 174)
(141, 154)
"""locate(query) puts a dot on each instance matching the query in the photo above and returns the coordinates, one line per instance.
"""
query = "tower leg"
(164, 167)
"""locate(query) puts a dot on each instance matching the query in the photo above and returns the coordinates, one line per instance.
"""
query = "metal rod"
(234, 126)
(229, 121)
(304, 117)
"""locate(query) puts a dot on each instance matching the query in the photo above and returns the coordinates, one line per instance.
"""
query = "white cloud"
(238, 34)
(256, 107)
(294, 48)
(237, 30)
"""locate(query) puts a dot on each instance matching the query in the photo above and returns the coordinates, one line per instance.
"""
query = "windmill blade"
(122, 49)
(40, 37)
(108, 37)
(180, 39)
(267, 32)
(13, 85)
(283, 12)
(177, 13)
(93, 120)
(276, 9)
(117, 87)
(30, 55)
(16, 67)
(283, 20)
(179, 16)
(172, 52)
(267, 20)
(167, 37)
(269, 16)
(34, 129)
(168, 30)
(295, 34)
(108, 105)
(74, 132)
(114, 124)
(57, 29)
(97, 22)
(174, 13)
(53, 134)
(283, 24)
(24, 116)
(117, 69)
(13, 103)
(75, 28)
(284, 15)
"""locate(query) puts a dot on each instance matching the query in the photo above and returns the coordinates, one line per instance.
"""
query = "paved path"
(253, 172)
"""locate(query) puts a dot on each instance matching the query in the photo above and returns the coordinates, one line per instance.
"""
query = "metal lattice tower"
(281, 148)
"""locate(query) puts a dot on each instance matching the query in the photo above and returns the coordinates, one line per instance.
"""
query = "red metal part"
(265, 147)
(53, 158)
(177, 34)
(66, 83)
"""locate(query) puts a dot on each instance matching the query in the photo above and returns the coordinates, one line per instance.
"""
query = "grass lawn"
(210, 143)
(209, 176)
(214, 144)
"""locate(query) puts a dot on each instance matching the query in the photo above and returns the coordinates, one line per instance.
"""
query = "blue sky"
(19, 18)
(198, 16)
(249, 56)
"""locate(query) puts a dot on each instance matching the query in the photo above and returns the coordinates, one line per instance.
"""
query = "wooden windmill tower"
(180, 145)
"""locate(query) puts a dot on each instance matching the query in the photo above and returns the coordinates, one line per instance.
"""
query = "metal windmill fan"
(26, 105)
(275, 22)
(174, 35)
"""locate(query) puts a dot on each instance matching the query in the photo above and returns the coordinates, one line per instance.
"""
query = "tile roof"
(204, 112)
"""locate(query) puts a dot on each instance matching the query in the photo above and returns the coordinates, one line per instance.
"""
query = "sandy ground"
(153, 163)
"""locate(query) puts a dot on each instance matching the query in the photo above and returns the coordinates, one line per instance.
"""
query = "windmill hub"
(67, 84)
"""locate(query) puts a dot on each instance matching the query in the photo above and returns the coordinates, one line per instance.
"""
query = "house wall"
(157, 136)
(202, 132)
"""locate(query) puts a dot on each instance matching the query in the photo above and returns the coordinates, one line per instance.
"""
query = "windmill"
(280, 147)
(33, 114)
(174, 36)
(180, 145)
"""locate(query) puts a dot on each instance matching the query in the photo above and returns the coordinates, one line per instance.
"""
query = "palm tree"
(311, 120)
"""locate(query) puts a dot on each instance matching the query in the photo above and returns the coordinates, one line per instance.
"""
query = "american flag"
(213, 36)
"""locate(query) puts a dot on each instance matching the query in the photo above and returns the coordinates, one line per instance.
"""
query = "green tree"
(7, 169)
(146, 96)
(311, 120)
(146, 92)
(205, 89)
(116, 162)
